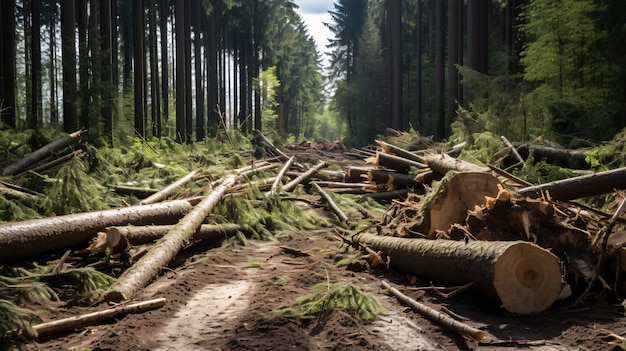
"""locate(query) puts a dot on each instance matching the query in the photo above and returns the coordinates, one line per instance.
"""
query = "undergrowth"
(327, 298)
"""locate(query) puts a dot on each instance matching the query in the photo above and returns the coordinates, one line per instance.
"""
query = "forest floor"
(222, 298)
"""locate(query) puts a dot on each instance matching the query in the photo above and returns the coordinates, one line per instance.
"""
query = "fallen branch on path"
(440, 318)
(67, 324)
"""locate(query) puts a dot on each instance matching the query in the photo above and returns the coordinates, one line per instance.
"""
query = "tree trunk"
(578, 187)
(44, 235)
(180, 72)
(7, 62)
(524, 277)
(40, 154)
(33, 119)
(440, 87)
(395, 63)
(198, 74)
(292, 184)
(148, 267)
(146, 234)
(68, 54)
(138, 69)
(443, 163)
(394, 162)
(453, 59)
(155, 110)
(107, 53)
(71, 323)
(160, 195)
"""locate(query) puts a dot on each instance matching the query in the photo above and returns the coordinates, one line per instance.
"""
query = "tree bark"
(40, 236)
(71, 323)
(41, 153)
(579, 187)
(148, 267)
(146, 234)
(524, 277)
(575, 159)
(394, 162)
(443, 163)
(160, 195)
(436, 316)
(292, 184)
(331, 204)
(398, 151)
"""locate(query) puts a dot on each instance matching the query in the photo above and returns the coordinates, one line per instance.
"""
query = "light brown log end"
(527, 278)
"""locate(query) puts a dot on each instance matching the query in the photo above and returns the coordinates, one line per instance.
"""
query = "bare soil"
(222, 298)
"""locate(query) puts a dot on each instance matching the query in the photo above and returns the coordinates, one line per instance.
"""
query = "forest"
(204, 165)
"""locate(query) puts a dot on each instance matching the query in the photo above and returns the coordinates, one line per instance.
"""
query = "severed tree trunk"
(398, 163)
(443, 163)
(149, 233)
(164, 251)
(160, 195)
(398, 151)
(39, 236)
(578, 187)
(29, 160)
(525, 278)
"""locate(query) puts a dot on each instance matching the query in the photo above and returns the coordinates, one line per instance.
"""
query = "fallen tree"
(161, 194)
(149, 233)
(42, 153)
(578, 187)
(38, 236)
(525, 278)
(148, 267)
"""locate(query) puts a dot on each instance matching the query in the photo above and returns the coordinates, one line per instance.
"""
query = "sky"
(314, 13)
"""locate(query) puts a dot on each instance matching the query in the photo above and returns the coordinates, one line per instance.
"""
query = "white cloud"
(314, 6)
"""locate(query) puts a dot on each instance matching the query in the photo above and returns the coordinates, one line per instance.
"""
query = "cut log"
(71, 323)
(398, 151)
(394, 162)
(443, 163)
(451, 201)
(160, 195)
(436, 316)
(306, 175)
(393, 180)
(388, 195)
(575, 159)
(38, 236)
(149, 233)
(40, 154)
(164, 251)
(579, 187)
(524, 277)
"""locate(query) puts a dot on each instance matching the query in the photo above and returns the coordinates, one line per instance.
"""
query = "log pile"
(451, 221)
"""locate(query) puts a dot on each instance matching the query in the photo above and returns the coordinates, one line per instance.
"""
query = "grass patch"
(327, 298)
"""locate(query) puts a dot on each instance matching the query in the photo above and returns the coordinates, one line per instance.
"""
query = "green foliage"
(73, 190)
(330, 297)
(16, 326)
(267, 85)
(16, 209)
(541, 172)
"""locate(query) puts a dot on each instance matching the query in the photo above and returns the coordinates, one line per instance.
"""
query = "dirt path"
(221, 298)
